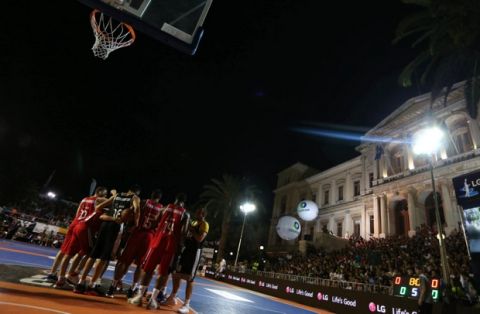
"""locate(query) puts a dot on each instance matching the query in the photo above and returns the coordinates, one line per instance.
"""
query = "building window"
(283, 205)
(356, 188)
(463, 142)
(340, 193)
(326, 196)
(398, 163)
(339, 229)
(356, 229)
(370, 179)
(372, 224)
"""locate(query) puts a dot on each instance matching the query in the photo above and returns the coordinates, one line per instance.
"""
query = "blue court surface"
(208, 296)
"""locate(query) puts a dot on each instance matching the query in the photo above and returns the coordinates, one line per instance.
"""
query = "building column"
(384, 217)
(363, 233)
(376, 225)
(319, 196)
(333, 193)
(364, 180)
(331, 225)
(412, 212)
(385, 162)
(450, 212)
(348, 224)
(474, 131)
(409, 164)
(348, 188)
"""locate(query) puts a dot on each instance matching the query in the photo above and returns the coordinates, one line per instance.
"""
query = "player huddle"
(126, 229)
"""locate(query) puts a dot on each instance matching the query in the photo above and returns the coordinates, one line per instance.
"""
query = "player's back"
(149, 215)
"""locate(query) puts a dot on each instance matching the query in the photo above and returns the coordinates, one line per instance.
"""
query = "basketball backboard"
(177, 23)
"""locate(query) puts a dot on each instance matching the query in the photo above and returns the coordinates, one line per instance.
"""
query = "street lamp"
(261, 247)
(428, 142)
(51, 195)
(245, 208)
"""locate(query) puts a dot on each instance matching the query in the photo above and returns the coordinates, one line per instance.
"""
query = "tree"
(223, 198)
(448, 36)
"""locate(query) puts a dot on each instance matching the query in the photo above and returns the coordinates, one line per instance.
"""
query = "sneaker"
(52, 277)
(171, 301)
(59, 284)
(136, 300)
(80, 288)
(161, 297)
(184, 309)
(131, 293)
(72, 278)
(110, 292)
(152, 304)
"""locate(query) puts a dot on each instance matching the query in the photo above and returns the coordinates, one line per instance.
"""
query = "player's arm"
(99, 208)
(79, 207)
(136, 210)
(423, 291)
(203, 231)
(106, 217)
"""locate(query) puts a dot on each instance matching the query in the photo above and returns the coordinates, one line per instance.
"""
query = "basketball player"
(80, 238)
(162, 250)
(189, 259)
(86, 207)
(138, 242)
(112, 224)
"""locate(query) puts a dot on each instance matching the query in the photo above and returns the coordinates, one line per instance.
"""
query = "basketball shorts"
(189, 260)
(136, 248)
(160, 253)
(106, 240)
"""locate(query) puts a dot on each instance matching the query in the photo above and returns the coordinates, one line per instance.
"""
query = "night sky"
(154, 116)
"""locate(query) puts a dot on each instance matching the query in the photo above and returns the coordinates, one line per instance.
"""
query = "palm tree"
(223, 198)
(448, 35)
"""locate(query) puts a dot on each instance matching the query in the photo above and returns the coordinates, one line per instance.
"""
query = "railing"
(347, 285)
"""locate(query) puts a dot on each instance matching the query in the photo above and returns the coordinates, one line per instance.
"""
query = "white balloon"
(288, 228)
(307, 210)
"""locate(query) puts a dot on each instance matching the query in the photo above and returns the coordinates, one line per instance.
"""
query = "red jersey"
(170, 222)
(85, 210)
(149, 216)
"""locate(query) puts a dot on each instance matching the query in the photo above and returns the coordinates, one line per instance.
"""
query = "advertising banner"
(331, 299)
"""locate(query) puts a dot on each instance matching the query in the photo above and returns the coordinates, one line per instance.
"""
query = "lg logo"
(377, 308)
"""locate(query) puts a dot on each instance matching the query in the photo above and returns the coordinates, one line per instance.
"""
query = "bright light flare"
(51, 194)
(247, 208)
(427, 141)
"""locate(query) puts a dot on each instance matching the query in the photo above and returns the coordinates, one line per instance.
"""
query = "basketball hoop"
(110, 35)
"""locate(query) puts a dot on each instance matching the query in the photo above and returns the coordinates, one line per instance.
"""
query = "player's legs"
(99, 271)
(63, 269)
(188, 294)
(56, 263)
(78, 262)
(175, 286)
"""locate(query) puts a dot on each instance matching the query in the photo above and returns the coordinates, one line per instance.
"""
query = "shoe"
(131, 293)
(72, 278)
(136, 300)
(120, 286)
(80, 288)
(161, 298)
(110, 292)
(59, 284)
(184, 309)
(152, 304)
(171, 301)
(52, 277)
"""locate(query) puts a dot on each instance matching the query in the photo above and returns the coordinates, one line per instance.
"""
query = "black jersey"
(120, 203)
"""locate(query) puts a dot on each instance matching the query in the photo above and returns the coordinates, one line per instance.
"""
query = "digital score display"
(410, 287)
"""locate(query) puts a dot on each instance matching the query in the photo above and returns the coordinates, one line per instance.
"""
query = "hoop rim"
(94, 23)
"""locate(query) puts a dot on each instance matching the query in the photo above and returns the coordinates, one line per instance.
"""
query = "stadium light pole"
(51, 195)
(245, 208)
(427, 142)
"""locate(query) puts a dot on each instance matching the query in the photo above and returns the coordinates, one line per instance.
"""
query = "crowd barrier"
(334, 299)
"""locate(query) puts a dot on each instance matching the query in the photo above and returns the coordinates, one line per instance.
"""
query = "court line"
(23, 252)
(34, 307)
(235, 302)
(8, 261)
(268, 297)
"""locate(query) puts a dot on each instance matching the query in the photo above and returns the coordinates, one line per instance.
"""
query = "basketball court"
(22, 289)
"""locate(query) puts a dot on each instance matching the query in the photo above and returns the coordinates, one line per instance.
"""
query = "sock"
(155, 293)
(164, 290)
(135, 286)
(141, 290)
(81, 281)
(187, 302)
(114, 283)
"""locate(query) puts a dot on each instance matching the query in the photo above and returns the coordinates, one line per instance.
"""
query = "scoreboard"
(410, 287)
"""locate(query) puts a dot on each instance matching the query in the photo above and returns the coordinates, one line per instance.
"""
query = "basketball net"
(110, 35)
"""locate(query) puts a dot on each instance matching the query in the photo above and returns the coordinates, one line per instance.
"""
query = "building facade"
(385, 190)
